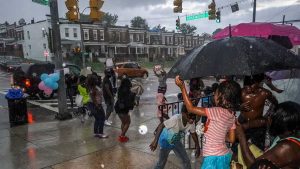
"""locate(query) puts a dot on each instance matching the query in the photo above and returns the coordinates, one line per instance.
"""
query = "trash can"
(17, 107)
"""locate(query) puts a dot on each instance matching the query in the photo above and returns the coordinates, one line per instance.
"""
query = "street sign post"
(46, 54)
(42, 2)
(196, 16)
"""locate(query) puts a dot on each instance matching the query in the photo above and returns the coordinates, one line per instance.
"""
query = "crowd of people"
(238, 133)
(92, 91)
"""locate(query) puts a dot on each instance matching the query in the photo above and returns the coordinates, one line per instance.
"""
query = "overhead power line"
(280, 12)
(184, 15)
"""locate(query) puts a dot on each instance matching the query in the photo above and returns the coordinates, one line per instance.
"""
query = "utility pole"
(254, 11)
(283, 19)
(62, 100)
(82, 46)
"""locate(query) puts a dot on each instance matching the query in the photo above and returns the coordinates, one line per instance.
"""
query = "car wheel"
(45, 96)
(145, 76)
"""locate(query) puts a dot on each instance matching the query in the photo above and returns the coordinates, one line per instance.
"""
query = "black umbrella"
(235, 56)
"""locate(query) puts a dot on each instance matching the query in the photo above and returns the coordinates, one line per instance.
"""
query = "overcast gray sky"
(161, 11)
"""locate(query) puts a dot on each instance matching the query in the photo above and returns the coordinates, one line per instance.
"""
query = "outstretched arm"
(154, 143)
(189, 105)
(269, 83)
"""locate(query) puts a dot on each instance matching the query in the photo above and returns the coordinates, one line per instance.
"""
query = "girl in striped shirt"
(220, 125)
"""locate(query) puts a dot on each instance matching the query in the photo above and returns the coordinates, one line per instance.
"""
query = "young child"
(161, 100)
(220, 125)
(169, 135)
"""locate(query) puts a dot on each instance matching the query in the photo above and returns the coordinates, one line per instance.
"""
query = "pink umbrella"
(261, 30)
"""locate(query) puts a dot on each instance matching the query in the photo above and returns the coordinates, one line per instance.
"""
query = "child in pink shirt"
(220, 125)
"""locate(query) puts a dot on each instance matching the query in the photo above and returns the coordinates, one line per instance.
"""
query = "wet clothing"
(170, 139)
(162, 80)
(160, 100)
(96, 96)
(83, 92)
(219, 122)
(97, 110)
(125, 102)
(217, 162)
(99, 115)
(255, 135)
(179, 151)
(106, 82)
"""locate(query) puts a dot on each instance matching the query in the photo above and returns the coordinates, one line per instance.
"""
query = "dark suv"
(27, 76)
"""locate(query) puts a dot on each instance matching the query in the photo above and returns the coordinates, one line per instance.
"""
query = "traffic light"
(72, 14)
(212, 11)
(76, 50)
(95, 6)
(218, 16)
(178, 23)
(177, 6)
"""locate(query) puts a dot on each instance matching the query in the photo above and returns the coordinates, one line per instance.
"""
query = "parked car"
(12, 65)
(130, 69)
(27, 76)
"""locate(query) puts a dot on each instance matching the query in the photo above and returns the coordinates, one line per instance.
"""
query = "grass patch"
(150, 65)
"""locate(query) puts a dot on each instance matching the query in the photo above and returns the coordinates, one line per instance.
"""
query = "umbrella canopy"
(235, 56)
(85, 72)
(261, 30)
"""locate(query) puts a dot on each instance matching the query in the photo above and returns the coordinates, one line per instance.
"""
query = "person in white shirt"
(169, 135)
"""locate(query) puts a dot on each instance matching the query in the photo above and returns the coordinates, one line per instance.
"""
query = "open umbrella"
(85, 72)
(264, 30)
(235, 56)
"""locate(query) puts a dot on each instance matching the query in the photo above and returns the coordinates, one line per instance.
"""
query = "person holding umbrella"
(220, 123)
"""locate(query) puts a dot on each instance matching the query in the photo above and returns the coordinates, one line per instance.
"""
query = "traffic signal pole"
(62, 100)
(254, 11)
(82, 46)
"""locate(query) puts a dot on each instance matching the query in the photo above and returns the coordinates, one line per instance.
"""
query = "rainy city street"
(149, 84)
(47, 143)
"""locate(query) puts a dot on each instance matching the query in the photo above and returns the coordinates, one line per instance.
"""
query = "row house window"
(176, 41)
(28, 35)
(75, 32)
(86, 34)
(67, 32)
(171, 40)
(95, 34)
(131, 37)
(123, 36)
(101, 34)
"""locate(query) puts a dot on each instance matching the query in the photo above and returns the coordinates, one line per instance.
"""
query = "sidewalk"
(70, 144)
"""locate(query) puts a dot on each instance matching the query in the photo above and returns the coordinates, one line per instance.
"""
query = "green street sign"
(196, 16)
(42, 2)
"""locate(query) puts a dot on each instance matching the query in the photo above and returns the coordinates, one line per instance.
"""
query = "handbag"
(78, 100)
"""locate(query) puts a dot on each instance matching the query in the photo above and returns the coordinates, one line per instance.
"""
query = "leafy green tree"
(139, 22)
(187, 28)
(110, 19)
(216, 31)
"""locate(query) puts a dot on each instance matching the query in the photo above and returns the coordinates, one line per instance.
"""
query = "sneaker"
(103, 136)
(123, 139)
(107, 123)
(96, 135)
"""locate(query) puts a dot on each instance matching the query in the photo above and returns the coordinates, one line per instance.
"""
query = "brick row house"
(11, 39)
(126, 43)
(32, 40)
